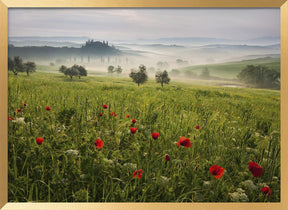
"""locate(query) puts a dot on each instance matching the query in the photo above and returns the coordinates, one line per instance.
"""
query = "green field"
(238, 125)
(230, 70)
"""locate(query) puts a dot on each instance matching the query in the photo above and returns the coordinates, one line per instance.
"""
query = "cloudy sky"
(122, 24)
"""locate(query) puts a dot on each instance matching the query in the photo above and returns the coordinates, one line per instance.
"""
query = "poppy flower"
(155, 135)
(39, 141)
(185, 142)
(133, 130)
(198, 127)
(266, 191)
(11, 118)
(255, 169)
(24, 104)
(18, 110)
(167, 157)
(111, 113)
(115, 115)
(134, 121)
(105, 106)
(127, 116)
(48, 108)
(217, 171)
(99, 143)
(137, 174)
(101, 114)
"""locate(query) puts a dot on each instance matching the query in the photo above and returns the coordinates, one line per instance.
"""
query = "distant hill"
(230, 70)
(90, 48)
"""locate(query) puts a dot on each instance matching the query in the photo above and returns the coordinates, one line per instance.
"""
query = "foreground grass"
(237, 126)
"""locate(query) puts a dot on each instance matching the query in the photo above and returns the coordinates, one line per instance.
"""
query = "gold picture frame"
(6, 4)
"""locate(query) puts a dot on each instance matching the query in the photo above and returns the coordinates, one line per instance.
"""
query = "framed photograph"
(132, 104)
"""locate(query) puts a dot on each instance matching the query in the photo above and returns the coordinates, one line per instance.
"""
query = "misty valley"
(144, 120)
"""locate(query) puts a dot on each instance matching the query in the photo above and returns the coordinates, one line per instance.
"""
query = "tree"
(118, 70)
(18, 64)
(29, 67)
(11, 65)
(110, 69)
(81, 69)
(162, 77)
(139, 76)
(72, 72)
(75, 70)
(181, 62)
(205, 73)
(260, 76)
(15, 65)
(62, 69)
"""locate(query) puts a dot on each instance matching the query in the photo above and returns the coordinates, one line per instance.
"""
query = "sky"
(125, 24)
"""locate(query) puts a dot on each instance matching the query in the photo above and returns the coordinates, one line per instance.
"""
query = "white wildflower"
(249, 184)
(238, 196)
(19, 120)
(72, 152)
(108, 161)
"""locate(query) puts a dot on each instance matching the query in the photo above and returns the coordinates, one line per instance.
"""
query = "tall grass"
(237, 126)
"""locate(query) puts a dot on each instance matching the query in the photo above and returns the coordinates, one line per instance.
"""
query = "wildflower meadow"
(104, 139)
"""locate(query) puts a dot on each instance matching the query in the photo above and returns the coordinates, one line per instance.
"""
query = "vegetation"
(118, 70)
(110, 69)
(75, 70)
(54, 155)
(230, 70)
(260, 77)
(162, 77)
(140, 76)
(29, 67)
(16, 65)
(205, 73)
(162, 65)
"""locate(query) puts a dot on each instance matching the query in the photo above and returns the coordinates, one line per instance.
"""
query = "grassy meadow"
(230, 70)
(236, 126)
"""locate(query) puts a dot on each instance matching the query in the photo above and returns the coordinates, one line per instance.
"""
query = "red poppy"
(137, 174)
(133, 130)
(48, 108)
(115, 115)
(105, 106)
(101, 114)
(185, 142)
(11, 118)
(255, 169)
(155, 135)
(18, 110)
(39, 141)
(167, 157)
(134, 121)
(99, 143)
(217, 171)
(198, 127)
(266, 191)
(24, 104)
(127, 116)
(111, 113)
